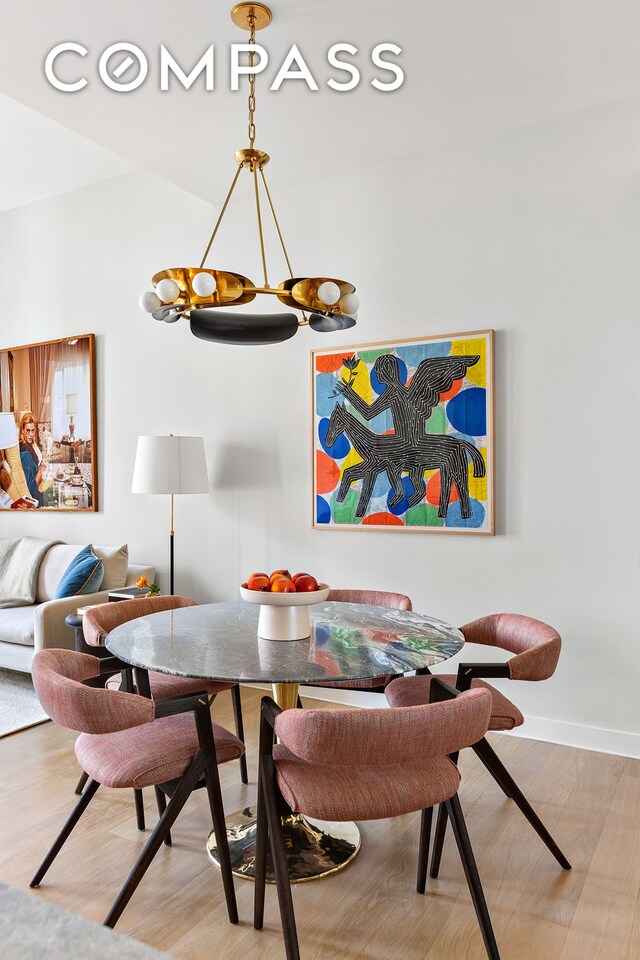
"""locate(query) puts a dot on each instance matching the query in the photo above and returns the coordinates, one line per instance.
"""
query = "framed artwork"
(403, 435)
(50, 389)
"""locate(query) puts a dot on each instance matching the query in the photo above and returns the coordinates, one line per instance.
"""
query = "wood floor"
(589, 801)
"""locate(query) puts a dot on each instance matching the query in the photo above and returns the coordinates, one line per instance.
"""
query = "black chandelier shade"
(258, 329)
(328, 322)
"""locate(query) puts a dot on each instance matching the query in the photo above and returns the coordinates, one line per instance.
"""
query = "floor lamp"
(170, 465)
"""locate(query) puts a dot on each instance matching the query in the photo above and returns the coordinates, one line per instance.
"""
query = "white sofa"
(23, 630)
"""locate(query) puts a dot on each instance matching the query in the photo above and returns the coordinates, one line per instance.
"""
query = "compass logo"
(124, 67)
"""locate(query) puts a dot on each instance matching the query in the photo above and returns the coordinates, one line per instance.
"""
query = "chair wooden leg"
(81, 783)
(161, 803)
(438, 841)
(423, 856)
(237, 713)
(214, 793)
(279, 855)
(465, 850)
(504, 779)
(153, 844)
(137, 795)
(262, 837)
(82, 804)
(441, 829)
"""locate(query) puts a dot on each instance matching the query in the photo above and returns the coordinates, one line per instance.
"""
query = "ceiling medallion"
(200, 292)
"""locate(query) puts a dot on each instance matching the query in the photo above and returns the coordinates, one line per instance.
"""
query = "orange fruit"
(306, 583)
(258, 583)
(282, 585)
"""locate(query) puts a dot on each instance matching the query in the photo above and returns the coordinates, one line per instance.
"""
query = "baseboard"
(599, 739)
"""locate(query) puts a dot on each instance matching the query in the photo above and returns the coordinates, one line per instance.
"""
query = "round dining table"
(348, 641)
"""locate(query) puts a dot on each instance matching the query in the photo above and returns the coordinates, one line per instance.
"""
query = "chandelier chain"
(252, 81)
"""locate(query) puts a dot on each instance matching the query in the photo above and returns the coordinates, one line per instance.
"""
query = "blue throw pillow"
(84, 574)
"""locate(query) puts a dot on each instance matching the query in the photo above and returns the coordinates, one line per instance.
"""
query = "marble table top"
(348, 641)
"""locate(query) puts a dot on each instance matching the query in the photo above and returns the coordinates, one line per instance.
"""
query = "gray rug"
(19, 704)
(30, 927)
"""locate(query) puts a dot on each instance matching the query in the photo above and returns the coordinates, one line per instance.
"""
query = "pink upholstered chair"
(362, 765)
(131, 741)
(102, 619)
(377, 598)
(536, 648)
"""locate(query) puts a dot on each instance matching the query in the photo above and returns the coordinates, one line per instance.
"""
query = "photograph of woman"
(31, 457)
(48, 391)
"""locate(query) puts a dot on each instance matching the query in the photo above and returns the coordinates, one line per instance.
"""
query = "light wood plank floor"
(589, 801)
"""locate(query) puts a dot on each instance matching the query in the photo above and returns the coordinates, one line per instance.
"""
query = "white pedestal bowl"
(285, 616)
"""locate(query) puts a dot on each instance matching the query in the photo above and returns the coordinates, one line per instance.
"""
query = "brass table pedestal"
(315, 848)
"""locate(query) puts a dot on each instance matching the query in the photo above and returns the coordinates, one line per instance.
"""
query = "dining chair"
(377, 598)
(362, 765)
(100, 620)
(127, 740)
(536, 648)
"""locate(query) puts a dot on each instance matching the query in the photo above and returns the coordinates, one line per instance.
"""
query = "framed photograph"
(403, 435)
(50, 389)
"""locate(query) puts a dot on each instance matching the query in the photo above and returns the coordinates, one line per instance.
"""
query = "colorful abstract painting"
(402, 435)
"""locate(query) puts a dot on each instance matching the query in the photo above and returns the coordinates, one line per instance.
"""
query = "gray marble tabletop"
(348, 641)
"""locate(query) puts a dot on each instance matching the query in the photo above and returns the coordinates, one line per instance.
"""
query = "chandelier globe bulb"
(349, 303)
(328, 293)
(204, 284)
(149, 301)
(167, 290)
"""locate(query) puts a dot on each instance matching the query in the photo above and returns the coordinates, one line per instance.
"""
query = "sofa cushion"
(116, 565)
(84, 574)
(17, 625)
(52, 568)
(58, 558)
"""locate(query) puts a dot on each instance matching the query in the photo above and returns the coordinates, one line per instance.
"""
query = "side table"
(74, 620)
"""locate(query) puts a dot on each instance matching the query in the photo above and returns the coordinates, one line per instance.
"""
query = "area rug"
(19, 704)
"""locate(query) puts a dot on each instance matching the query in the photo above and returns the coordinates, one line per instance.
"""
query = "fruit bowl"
(284, 616)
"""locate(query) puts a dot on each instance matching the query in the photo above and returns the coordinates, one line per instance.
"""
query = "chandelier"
(202, 293)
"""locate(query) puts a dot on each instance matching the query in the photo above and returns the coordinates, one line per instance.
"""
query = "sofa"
(23, 630)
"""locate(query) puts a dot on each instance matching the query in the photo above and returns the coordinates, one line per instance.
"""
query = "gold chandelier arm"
(275, 220)
(219, 220)
(264, 257)
(280, 237)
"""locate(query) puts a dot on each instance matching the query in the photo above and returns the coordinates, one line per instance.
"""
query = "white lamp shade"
(8, 431)
(170, 465)
(71, 403)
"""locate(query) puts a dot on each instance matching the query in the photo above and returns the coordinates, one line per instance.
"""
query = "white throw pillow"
(116, 565)
(55, 562)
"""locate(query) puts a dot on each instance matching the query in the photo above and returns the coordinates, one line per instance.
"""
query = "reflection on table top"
(348, 641)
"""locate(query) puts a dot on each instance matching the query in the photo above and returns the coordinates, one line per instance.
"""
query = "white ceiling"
(42, 158)
(472, 69)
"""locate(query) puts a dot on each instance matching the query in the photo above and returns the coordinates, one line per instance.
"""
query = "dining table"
(348, 642)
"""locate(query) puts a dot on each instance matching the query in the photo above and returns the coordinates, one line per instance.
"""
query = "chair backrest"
(105, 617)
(386, 736)
(57, 677)
(377, 598)
(536, 645)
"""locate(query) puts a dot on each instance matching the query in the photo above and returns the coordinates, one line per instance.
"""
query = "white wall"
(535, 233)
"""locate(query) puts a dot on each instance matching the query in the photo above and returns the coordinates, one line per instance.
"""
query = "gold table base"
(315, 848)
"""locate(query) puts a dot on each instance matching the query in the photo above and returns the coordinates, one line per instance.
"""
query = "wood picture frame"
(403, 435)
(50, 388)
